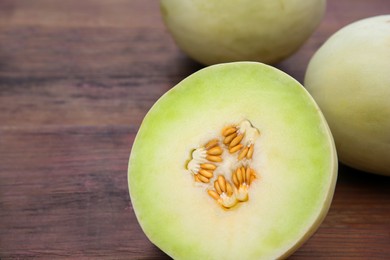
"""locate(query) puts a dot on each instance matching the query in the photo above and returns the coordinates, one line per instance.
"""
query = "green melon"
(349, 77)
(213, 32)
(235, 162)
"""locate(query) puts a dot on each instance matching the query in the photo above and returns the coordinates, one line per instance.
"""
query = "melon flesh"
(295, 162)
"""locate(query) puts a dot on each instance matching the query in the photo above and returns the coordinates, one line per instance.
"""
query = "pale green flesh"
(295, 160)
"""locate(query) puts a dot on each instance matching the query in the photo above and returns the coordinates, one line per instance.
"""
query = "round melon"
(235, 162)
(349, 77)
(224, 31)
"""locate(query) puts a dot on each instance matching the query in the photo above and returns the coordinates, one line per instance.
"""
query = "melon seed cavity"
(223, 164)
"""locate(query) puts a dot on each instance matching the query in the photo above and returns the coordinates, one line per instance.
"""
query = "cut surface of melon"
(293, 165)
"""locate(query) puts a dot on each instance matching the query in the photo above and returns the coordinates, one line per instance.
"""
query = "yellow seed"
(250, 151)
(228, 139)
(208, 166)
(239, 176)
(206, 174)
(248, 175)
(203, 179)
(243, 153)
(235, 180)
(229, 131)
(243, 174)
(215, 151)
(211, 144)
(222, 183)
(235, 148)
(217, 188)
(243, 170)
(236, 140)
(214, 158)
(229, 189)
(213, 194)
(196, 178)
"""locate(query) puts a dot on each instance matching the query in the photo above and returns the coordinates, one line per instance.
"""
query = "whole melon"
(268, 31)
(349, 77)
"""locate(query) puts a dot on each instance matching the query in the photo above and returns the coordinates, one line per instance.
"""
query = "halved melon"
(235, 162)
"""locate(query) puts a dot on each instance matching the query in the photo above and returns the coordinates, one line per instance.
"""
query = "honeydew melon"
(268, 31)
(349, 77)
(234, 162)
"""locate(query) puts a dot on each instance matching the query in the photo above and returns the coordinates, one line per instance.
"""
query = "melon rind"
(295, 160)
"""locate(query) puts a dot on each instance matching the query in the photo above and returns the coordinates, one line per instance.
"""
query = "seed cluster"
(242, 179)
(223, 192)
(206, 159)
(213, 155)
(228, 195)
(233, 138)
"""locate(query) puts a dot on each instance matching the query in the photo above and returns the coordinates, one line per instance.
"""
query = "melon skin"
(349, 77)
(214, 32)
(296, 163)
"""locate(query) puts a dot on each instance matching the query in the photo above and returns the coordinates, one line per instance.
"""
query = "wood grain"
(76, 79)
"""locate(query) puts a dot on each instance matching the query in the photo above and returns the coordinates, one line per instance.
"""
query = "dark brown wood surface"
(76, 79)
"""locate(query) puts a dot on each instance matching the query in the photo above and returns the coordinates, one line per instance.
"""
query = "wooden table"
(76, 79)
